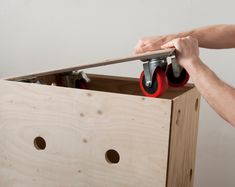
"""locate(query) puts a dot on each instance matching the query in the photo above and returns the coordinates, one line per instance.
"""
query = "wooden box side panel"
(79, 127)
(183, 141)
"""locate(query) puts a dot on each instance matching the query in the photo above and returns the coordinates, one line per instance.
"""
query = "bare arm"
(214, 37)
(219, 95)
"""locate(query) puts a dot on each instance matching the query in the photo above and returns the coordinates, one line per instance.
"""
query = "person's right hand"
(187, 50)
(152, 43)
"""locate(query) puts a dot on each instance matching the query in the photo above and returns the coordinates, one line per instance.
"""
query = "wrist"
(191, 63)
(185, 34)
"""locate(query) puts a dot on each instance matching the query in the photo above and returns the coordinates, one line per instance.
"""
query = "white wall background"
(37, 35)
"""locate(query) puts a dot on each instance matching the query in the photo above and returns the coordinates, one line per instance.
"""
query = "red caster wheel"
(176, 81)
(159, 84)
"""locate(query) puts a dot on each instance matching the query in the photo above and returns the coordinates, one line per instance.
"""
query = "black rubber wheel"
(176, 81)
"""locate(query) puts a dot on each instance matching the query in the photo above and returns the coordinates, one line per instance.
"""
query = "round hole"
(196, 104)
(39, 143)
(112, 156)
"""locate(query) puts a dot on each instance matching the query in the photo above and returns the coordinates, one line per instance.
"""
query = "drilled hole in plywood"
(112, 156)
(196, 104)
(191, 174)
(178, 117)
(39, 143)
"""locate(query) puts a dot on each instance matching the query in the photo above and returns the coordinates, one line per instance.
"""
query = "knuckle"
(141, 41)
(178, 40)
(150, 44)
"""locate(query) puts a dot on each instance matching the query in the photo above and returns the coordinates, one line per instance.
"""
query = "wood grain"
(113, 84)
(183, 139)
(128, 85)
(144, 56)
(79, 126)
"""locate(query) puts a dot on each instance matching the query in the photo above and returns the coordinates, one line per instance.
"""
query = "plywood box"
(108, 134)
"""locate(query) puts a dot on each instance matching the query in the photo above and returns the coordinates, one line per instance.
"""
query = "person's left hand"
(152, 43)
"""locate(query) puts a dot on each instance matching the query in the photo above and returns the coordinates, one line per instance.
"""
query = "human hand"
(186, 49)
(152, 43)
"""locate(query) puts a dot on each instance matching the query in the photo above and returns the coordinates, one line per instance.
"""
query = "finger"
(145, 49)
(138, 50)
(168, 44)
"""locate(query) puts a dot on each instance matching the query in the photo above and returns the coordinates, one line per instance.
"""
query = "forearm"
(219, 95)
(214, 37)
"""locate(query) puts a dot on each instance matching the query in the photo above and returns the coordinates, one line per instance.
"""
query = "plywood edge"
(130, 85)
(183, 139)
(143, 56)
(67, 90)
(115, 84)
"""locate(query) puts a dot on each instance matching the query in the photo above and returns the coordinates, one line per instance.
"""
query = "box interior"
(105, 83)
